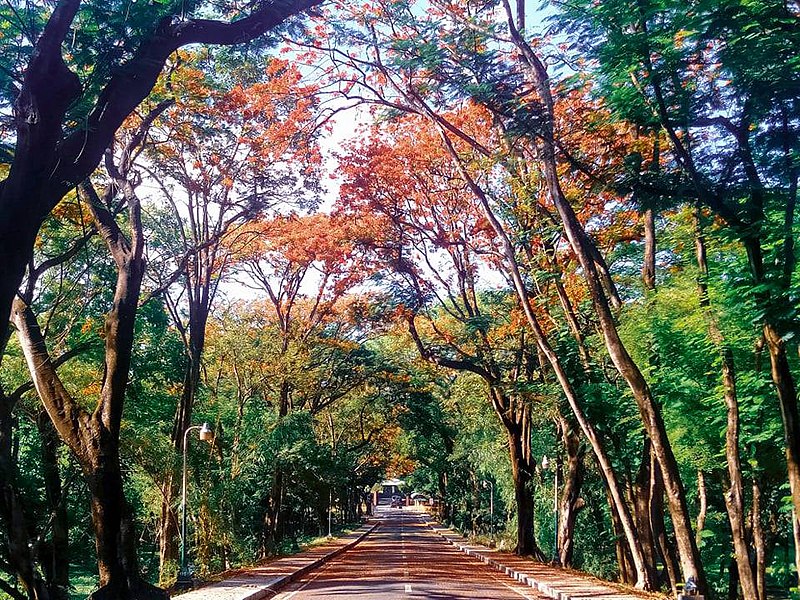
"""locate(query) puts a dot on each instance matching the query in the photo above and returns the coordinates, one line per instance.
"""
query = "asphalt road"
(404, 559)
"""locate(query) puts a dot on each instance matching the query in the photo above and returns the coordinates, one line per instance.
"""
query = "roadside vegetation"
(554, 263)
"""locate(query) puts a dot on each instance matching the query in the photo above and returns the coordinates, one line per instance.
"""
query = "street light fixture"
(206, 435)
(490, 485)
(546, 467)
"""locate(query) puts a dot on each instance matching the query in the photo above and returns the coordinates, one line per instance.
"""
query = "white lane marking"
(408, 588)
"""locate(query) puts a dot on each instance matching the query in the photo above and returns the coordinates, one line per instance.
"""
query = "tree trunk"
(167, 530)
(796, 536)
(734, 497)
(522, 476)
(273, 517)
(571, 502)
(702, 494)
(15, 528)
(787, 398)
(649, 261)
(168, 525)
(444, 504)
(734, 502)
(733, 580)
(665, 546)
(114, 536)
(759, 543)
(627, 573)
(641, 500)
(55, 562)
(587, 252)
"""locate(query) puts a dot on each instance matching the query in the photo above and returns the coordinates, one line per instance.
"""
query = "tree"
(306, 265)
(53, 150)
(432, 237)
(221, 158)
(93, 437)
(396, 92)
(721, 74)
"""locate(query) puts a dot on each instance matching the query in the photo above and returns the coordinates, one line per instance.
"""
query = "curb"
(520, 576)
(267, 591)
(284, 580)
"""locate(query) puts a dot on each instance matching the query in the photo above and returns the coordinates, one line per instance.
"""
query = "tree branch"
(68, 417)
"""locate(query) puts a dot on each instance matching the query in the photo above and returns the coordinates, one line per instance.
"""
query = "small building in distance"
(382, 494)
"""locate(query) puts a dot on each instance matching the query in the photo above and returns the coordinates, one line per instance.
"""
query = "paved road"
(404, 559)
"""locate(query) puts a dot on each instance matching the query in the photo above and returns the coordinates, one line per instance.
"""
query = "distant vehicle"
(397, 502)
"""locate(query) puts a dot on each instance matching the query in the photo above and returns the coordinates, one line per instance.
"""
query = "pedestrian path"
(554, 582)
(264, 581)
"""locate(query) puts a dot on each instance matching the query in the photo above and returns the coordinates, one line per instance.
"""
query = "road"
(404, 559)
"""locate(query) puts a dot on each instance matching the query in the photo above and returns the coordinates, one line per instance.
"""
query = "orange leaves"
(401, 176)
(231, 138)
(309, 262)
(298, 239)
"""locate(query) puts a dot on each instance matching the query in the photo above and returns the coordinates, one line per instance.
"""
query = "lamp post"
(206, 435)
(546, 467)
(330, 510)
(490, 485)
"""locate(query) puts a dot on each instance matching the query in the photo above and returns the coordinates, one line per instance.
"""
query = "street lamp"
(546, 467)
(206, 435)
(490, 485)
(330, 510)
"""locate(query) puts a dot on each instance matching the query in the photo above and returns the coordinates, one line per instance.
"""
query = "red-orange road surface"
(404, 559)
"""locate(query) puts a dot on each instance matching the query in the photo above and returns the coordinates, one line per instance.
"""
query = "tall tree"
(94, 436)
(235, 156)
(62, 127)
(719, 81)
(306, 266)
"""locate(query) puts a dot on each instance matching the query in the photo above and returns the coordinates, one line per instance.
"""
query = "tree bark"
(666, 547)
(796, 536)
(273, 516)
(55, 562)
(759, 543)
(734, 502)
(522, 475)
(787, 398)
(627, 572)
(571, 503)
(15, 526)
(734, 497)
(702, 494)
(642, 502)
(649, 261)
(586, 251)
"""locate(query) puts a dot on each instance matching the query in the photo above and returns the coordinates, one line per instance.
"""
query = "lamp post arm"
(184, 566)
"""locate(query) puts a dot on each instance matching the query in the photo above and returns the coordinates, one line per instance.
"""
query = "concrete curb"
(260, 592)
(522, 577)
(285, 580)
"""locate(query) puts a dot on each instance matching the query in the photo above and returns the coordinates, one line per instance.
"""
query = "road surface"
(404, 559)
